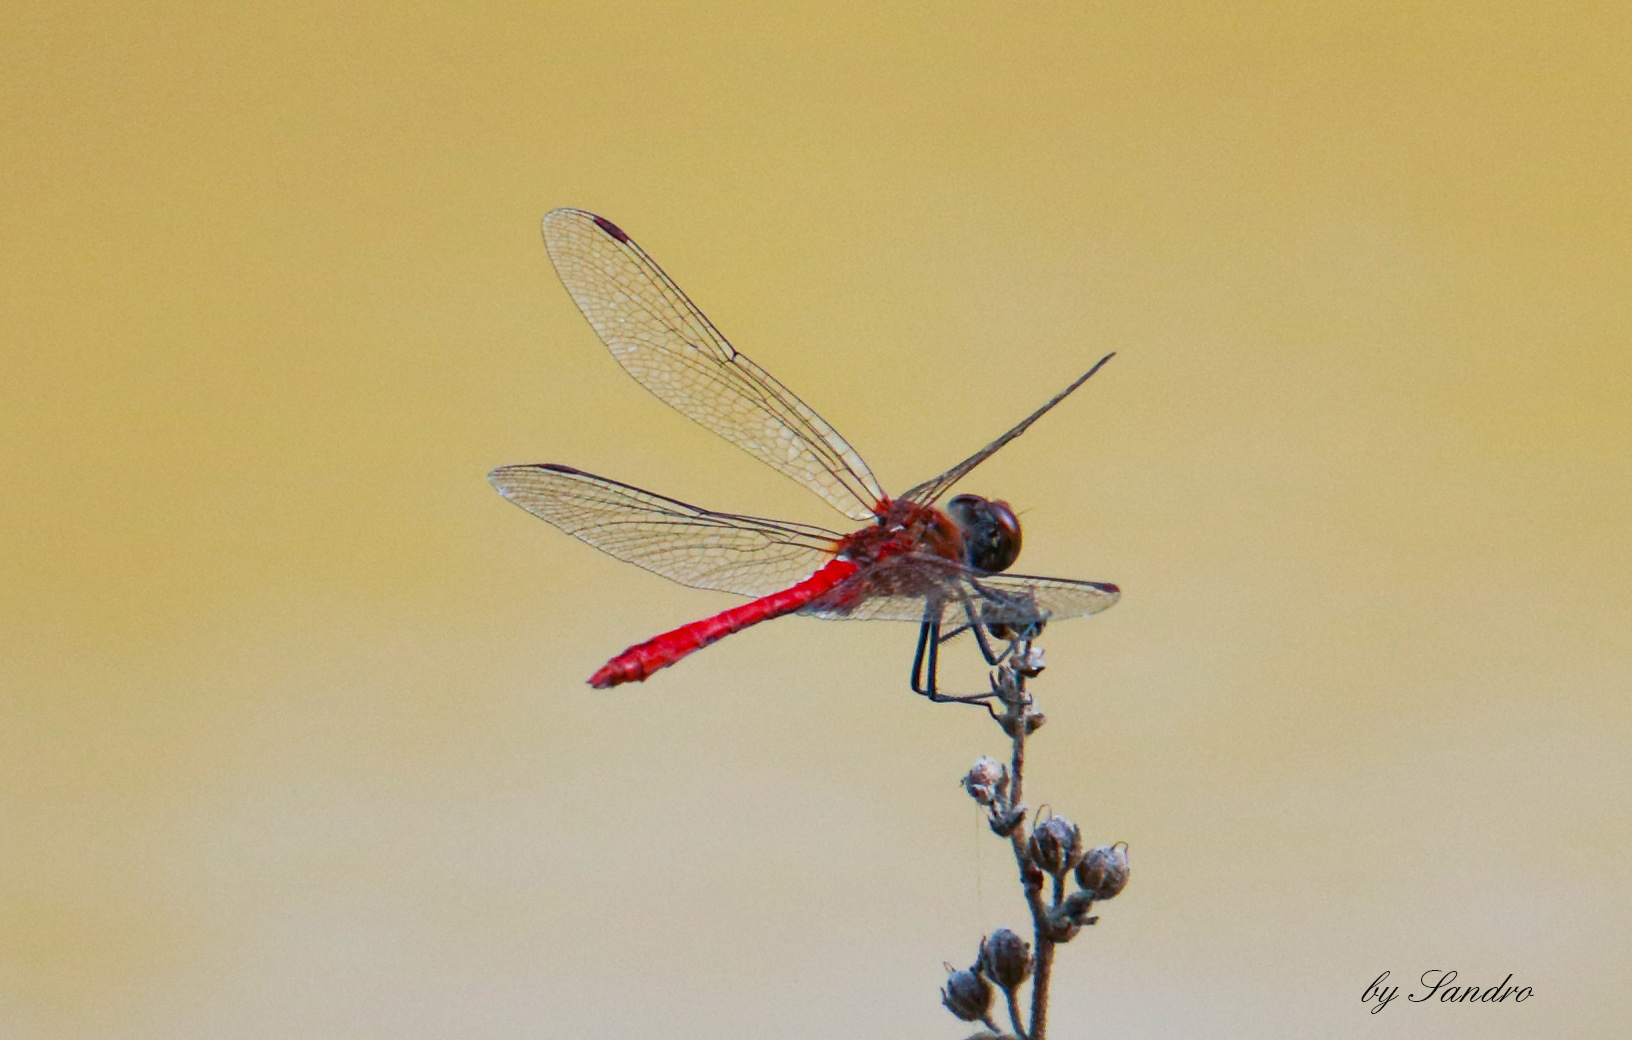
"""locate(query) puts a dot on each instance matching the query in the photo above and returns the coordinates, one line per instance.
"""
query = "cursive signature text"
(1440, 983)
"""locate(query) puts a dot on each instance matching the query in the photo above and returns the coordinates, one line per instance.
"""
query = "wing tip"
(564, 214)
(610, 228)
(500, 476)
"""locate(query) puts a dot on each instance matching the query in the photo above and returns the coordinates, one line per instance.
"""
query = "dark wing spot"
(611, 229)
(558, 468)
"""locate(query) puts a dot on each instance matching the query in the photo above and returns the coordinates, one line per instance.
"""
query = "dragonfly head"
(991, 532)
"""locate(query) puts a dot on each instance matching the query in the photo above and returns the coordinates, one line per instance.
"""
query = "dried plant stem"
(1052, 849)
(1016, 722)
(1039, 990)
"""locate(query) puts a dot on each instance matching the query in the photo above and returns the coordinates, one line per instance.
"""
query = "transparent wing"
(916, 587)
(930, 490)
(746, 555)
(662, 339)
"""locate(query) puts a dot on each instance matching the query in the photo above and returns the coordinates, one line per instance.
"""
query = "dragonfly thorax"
(905, 527)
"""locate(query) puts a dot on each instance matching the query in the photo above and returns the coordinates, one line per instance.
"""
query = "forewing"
(914, 587)
(662, 339)
(747, 555)
(930, 490)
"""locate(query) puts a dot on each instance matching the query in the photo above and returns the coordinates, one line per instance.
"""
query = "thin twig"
(1014, 1016)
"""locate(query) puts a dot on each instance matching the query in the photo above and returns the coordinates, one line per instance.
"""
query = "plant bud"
(1032, 876)
(1077, 905)
(1005, 958)
(1004, 823)
(1104, 871)
(1056, 845)
(1072, 915)
(967, 995)
(986, 780)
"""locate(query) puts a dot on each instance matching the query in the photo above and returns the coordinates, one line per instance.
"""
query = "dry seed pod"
(1056, 845)
(1104, 871)
(1005, 958)
(967, 995)
(986, 780)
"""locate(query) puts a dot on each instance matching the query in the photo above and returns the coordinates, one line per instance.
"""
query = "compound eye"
(991, 532)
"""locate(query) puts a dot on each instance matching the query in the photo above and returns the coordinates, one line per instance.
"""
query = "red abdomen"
(640, 661)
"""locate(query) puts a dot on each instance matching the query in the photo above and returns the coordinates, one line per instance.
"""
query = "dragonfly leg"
(927, 647)
(924, 679)
(981, 632)
(980, 635)
(929, 643)
(986, 646)
(1010, 632)
(948, 636)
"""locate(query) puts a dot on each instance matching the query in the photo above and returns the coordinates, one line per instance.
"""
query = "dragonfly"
(943, 569)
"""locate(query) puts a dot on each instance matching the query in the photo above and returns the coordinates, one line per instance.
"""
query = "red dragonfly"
(911, 562)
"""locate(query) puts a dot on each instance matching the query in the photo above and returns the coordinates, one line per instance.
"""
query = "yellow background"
(295, 741)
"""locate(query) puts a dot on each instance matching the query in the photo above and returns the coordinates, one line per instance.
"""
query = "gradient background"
(295, 738)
